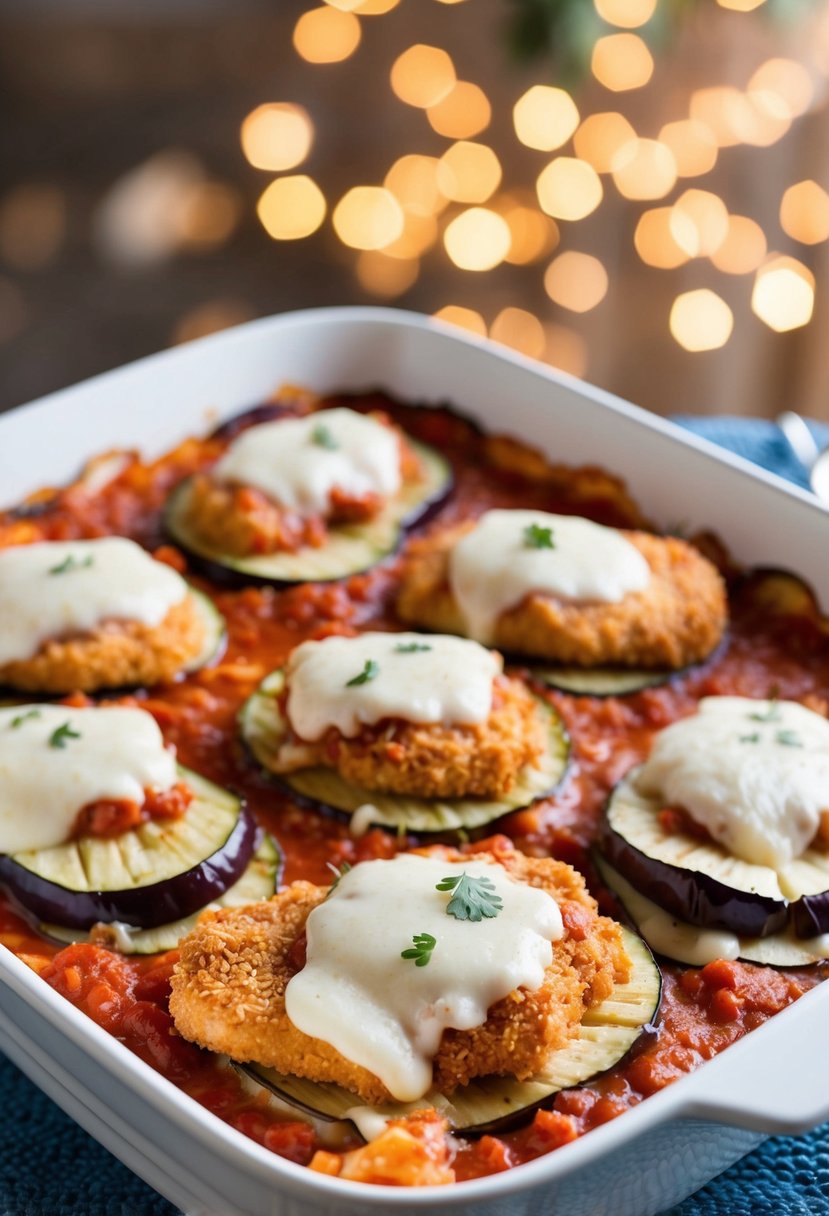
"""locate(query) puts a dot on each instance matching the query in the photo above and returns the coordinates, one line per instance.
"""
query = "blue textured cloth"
(50, 1167)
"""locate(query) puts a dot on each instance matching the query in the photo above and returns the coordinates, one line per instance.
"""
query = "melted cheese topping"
(446, 680)
(56, 589)
(755, 774)
(55, 760)
(493, 568)
(387, 1014)
(299, 461)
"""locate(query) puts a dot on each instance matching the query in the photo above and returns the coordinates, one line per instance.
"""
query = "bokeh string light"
(477, 201)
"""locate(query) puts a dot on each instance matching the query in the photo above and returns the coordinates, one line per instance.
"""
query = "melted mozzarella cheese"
(55, 760)
(299, 461)
(387, 1014)
(493, 568)
(56, 589)
(446, 680)
(755, 774)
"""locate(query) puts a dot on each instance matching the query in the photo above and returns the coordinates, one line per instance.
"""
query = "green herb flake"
(538, 537)
(772, 714)
(323, 438)
(473, 898)
(71, 563)
(410, 648)
(371, 671)
(788, 738)
(755, 738)
(338, 872)
(58, 737)
(17, 722)
(422, 949)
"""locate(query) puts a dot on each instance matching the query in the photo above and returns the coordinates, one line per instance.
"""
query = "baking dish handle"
(777, 1080)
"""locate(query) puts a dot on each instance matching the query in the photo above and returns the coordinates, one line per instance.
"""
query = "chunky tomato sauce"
(777, 646)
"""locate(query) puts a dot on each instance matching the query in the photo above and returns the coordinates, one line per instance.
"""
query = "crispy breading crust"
(435, 761)
(677, 619)
(228, 989)
(118, 654)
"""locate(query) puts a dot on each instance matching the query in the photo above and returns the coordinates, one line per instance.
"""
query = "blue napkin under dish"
(50, 1167)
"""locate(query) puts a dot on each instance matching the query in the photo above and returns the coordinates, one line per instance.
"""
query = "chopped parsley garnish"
(323, 438)
(17, 722)
(71, 563)
(338, 872)
(788, 738)
(410, 648)
(755, 738)
(538, 537)
(772, 714)
(371, 670)
(473, 899)
(58, 737)
(422, 949)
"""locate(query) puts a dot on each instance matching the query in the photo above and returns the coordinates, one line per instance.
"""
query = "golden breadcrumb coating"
(228, 988)
(117, 654)
(435, 761)
(677, 619)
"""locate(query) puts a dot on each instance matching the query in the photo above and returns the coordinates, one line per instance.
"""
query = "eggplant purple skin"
(809, 915)
(143, 907)
(693, 896)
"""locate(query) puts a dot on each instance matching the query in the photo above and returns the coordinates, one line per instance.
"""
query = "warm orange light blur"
(464, 111)
(625, 13)
(477, 239)
(326, 35)
(520, 330)
(784, 294)
(566, 349)
(532, 234)
(716, 109)
(600, 137)
(422, 76)
(741, 6)
(788, 81)
(655, 242)
(699, 222)
(420, 233)
(374, 8)
(545, 117)
(469, 172)
(644, 169)
(804, 213)
(385, 276)
(32, 226)
(368, 217)
(465, 318)
(693, 145)
(577, 281)
(621, 62)
(210, 317)
(701, 320)
(209, 215)
(569, 189)
(743, 249)
(413, 180)
(277, 136)
(291, 208)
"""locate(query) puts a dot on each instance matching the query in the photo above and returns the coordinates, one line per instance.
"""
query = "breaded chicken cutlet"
(434, 760)
(228, 988)
(116, 654)
(677, 619)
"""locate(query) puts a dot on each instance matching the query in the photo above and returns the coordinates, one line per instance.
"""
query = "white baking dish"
(775, 1080)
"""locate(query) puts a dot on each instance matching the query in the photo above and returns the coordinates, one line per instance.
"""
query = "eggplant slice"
(676, 939)
(349, 549)
(259, 881)
(263, 728)
(490, 1104)
(215, 632)
(601, 681)
(699, 882)
(160, 872)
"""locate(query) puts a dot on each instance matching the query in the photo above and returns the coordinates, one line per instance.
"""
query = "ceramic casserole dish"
(773, 1081)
